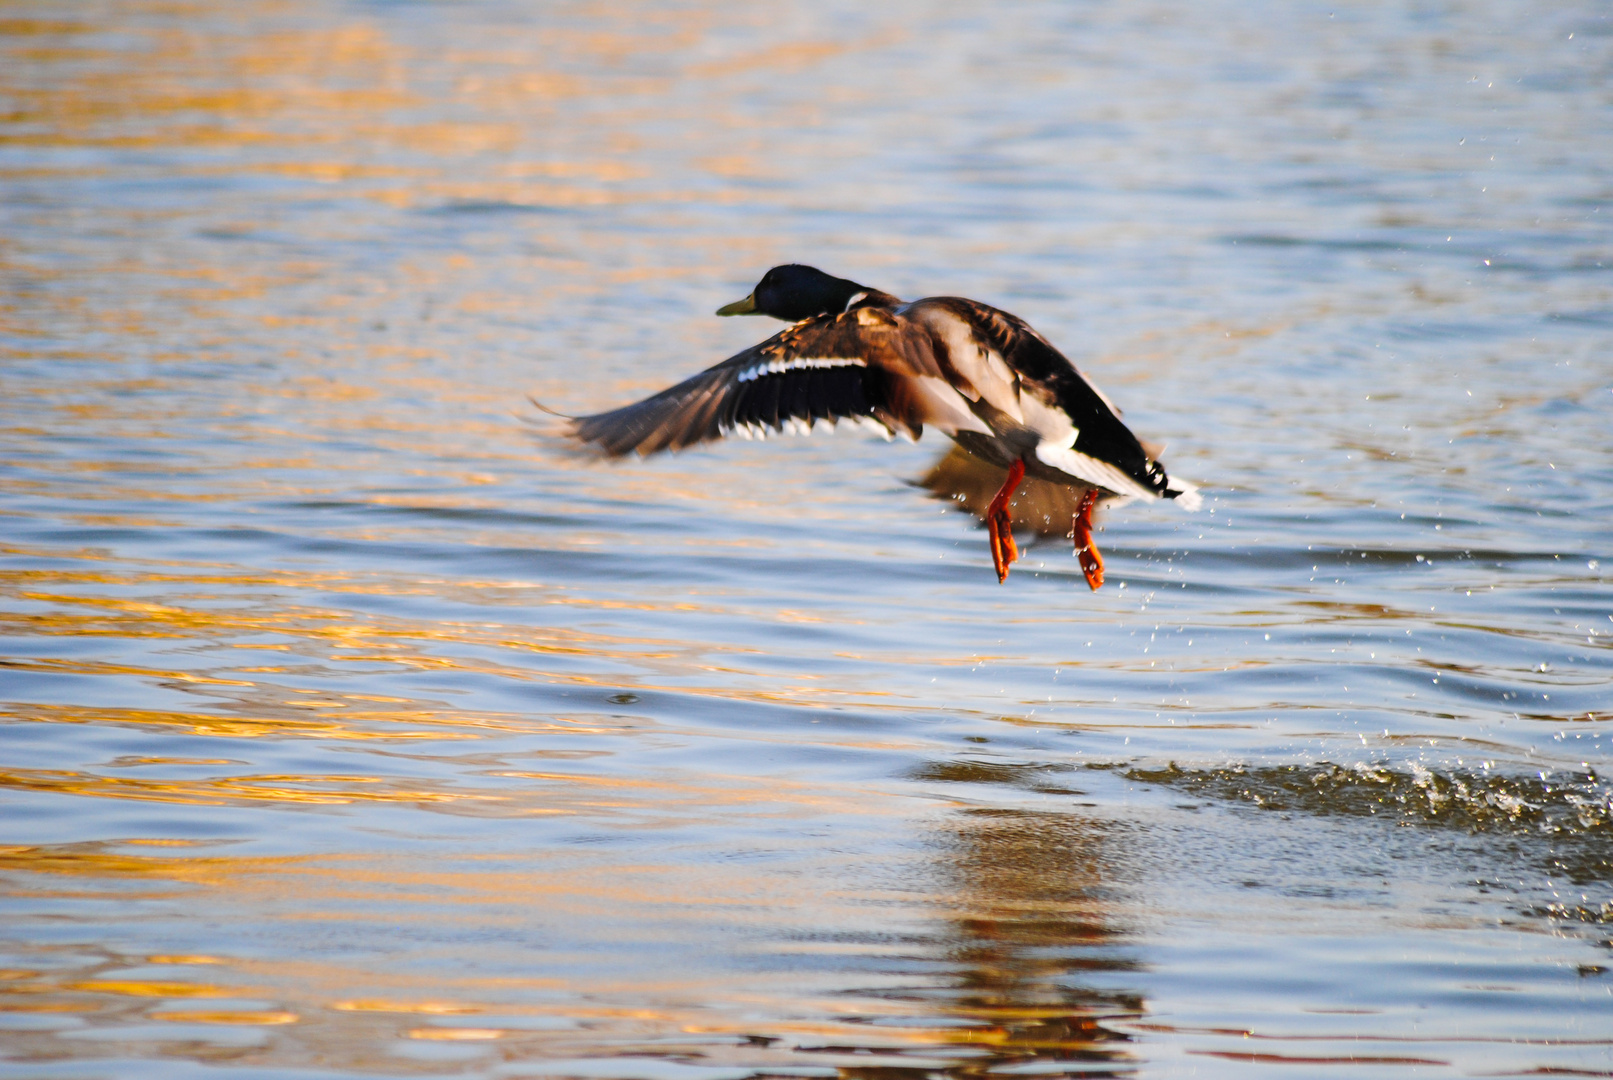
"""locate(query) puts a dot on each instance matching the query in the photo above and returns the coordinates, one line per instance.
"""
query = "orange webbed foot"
(1085, 548)
(1004, 552)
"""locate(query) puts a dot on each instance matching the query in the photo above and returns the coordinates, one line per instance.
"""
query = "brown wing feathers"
(832, 368)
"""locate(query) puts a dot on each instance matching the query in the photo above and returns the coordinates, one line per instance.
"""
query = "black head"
(795, 292)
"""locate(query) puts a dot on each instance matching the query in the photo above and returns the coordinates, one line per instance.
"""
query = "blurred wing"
(849, 366)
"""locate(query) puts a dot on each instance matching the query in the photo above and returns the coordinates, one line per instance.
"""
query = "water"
(354, 726)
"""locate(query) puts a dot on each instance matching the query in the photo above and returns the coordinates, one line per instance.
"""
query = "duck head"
(795, 292)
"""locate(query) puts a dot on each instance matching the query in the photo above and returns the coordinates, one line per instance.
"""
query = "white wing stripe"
(796, 363)
(790, 425)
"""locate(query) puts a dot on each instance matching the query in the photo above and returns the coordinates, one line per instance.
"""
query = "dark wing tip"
(609, 433)
(541, 407)
(646, 427)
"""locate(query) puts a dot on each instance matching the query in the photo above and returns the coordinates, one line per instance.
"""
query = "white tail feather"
(1186, 494)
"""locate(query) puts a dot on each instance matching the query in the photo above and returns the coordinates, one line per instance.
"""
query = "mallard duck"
(976, 373)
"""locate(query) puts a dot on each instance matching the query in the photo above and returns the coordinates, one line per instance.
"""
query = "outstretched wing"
(836, 367)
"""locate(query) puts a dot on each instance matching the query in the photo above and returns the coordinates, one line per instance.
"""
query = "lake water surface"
(351, 725)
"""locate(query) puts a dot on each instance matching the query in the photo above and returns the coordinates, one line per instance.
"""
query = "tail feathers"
(1186, 494)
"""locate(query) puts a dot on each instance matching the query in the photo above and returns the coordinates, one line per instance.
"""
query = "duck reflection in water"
(1000, 390)
(1031, 953)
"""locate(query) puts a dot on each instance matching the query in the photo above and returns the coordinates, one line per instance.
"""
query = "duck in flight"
(979, 375)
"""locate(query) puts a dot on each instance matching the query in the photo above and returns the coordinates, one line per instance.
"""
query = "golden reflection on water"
(1010, 947)
(331, 635)
(321, 94)
(310, 790)
(99, 860)
(1032, 918)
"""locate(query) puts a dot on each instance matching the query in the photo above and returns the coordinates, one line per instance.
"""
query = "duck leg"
(1001, 523)
(1085, 549)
